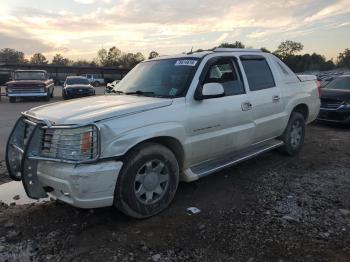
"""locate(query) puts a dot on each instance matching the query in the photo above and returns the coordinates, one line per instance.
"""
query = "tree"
(38, 59)
(264, 49)
(9, 55)
(153, 54)
(344, 58)
(58, 59)
(109, 58)
(130, 60)
(102, 56)
(85, 63)
(288, 48)
(307, 62)
(236, 44)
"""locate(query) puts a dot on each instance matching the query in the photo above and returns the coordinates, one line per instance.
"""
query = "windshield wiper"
(140, 93)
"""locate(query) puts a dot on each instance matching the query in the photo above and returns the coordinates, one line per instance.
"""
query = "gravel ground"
(272, 208)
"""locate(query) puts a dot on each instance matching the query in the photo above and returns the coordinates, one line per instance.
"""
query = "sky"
(79, 28)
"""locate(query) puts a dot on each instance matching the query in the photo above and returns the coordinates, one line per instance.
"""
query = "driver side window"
(224, 71)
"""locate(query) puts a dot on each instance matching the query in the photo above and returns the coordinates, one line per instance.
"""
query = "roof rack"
(221, 49)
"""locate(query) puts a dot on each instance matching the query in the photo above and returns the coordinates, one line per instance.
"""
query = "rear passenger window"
(258, 72)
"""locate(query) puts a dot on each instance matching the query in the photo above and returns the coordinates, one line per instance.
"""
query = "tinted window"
(77, 81)
(224, 72)
(258, 73)
(339, 83)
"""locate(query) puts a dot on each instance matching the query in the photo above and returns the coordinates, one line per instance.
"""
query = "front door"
(221, 125)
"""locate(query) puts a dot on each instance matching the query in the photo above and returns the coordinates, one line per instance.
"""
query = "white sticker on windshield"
(186, 63)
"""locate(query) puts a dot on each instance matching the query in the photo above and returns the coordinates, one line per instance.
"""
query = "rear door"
(267, 105)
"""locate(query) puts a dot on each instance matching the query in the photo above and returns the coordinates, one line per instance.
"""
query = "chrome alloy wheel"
(151, 181)
(296, 134)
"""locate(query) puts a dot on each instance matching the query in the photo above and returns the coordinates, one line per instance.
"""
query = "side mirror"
(210, 90)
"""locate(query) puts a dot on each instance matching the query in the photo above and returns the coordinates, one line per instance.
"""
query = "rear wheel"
(293, 136)
(12, 99)
(148, 181)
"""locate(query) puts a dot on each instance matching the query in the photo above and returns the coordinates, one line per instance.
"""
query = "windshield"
(161, 78)
(77, 81)
(29, 75)
(339, 83)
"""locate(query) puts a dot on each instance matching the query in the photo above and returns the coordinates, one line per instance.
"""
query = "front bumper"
(341, 115)
(81, 184)
(79, 92)
(84, 186)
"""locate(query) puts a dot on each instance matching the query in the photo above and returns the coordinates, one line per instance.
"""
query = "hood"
(335, 94)
(92, 109)
(25, 82)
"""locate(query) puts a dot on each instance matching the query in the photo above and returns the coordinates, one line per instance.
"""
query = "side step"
(211, 166)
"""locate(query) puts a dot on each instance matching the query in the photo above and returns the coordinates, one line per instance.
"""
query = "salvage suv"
(170, 119)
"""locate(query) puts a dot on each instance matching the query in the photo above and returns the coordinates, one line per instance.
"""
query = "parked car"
(95, 80)
(171, 118)
(110, 86)
(77, 86)
(335, 101)
(29, 83)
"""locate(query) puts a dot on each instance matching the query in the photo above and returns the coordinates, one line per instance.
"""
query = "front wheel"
(12, 99)
(293, 136)
(148, 181)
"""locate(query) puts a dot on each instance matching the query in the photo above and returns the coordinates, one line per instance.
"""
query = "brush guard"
(23, 145)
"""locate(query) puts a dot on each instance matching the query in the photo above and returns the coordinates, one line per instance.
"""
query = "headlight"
(74, 144)
(347, 104)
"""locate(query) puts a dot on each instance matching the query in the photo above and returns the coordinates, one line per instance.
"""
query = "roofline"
(221, 49)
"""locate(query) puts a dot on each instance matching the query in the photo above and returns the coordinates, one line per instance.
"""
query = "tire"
(294, 134)
(139, 192)
(95, 84)
(12, 99)
(48, 96)
(52, 92)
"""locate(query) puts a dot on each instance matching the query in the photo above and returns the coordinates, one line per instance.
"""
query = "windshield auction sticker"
(186, 63)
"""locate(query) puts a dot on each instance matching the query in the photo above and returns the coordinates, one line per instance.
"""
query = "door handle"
(276, 99)
(246, 106)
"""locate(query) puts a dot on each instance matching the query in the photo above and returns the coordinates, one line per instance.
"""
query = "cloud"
(340, 7)
(28, 45)
(169, 27)
(88, 2)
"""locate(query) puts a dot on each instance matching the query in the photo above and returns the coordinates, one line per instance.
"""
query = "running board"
(211, 166)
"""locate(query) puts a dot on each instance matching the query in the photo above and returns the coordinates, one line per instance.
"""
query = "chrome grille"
(26, 90)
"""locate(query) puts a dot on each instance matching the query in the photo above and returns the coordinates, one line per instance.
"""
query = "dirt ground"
(272, 208)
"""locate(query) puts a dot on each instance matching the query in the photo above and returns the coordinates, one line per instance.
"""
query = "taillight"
(318, 83)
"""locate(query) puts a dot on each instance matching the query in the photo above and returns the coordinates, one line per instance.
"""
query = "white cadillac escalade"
(170, 119)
